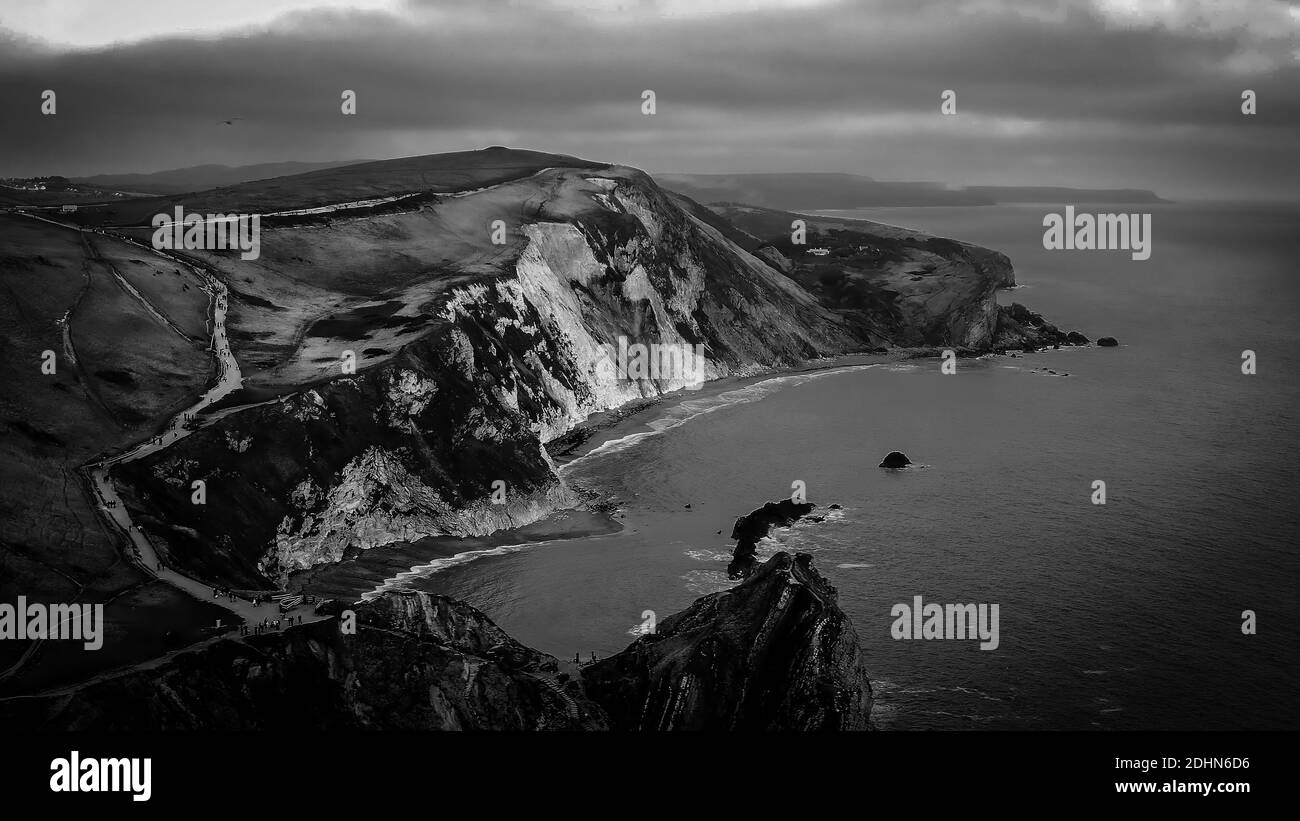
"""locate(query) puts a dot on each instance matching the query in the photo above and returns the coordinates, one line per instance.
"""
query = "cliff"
(476, 346)
(894, 286)
(772, 653)
(480, 296)
(462, 376)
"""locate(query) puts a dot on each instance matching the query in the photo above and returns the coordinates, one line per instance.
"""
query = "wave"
(704, 582)
(709, 555)
(424, 571)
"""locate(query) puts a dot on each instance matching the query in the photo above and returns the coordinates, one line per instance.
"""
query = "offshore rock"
(749, 529)
(895, 459)
(1019, 327)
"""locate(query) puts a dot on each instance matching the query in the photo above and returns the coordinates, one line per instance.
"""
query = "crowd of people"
(268, 624)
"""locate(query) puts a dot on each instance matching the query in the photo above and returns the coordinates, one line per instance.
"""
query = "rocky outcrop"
(1107, 342)
(894, 460)
(415, 662)
(773, 256)
(749, 529)
(773, 653)
(394, 453)
(1019, 328)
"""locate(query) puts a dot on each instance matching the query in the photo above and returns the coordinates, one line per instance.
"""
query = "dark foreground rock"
(749, 529)
(895, 459)
(776, 652)
(1108, 342)
(773, 653)
(416, 662)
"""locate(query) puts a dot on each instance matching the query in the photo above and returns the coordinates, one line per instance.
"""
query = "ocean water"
(1119, 616)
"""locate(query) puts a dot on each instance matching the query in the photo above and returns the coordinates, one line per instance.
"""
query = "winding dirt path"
(98, 474)
(229, 378)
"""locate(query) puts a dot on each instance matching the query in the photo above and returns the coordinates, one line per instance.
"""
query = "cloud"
(93, 23)
(741, 86)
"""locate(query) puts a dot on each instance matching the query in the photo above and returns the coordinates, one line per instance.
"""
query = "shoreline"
(356, 578)
(596, 515)
(636, 415)
(600, 514)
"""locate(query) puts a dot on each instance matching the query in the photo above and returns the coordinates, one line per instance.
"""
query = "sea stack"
(895, 460)
(749, 529)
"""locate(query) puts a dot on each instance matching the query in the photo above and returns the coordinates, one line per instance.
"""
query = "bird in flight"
(231, 121)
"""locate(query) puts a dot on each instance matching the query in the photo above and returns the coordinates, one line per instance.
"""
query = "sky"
(1086, 93)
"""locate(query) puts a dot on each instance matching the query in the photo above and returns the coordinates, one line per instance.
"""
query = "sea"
(1171, 606)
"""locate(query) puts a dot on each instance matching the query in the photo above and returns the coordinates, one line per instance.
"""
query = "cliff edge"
(773, 653)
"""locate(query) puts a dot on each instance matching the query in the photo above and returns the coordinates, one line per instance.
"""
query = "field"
(324, 286)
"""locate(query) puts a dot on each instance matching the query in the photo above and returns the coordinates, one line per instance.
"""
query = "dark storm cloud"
(1045, 94)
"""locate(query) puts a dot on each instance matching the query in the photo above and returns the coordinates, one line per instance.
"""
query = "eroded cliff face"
(395, 453)
(772, 653)
(416, 446)
(415, 662)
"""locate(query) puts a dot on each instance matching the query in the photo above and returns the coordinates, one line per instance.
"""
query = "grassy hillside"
(897, 286)
(119, 373)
